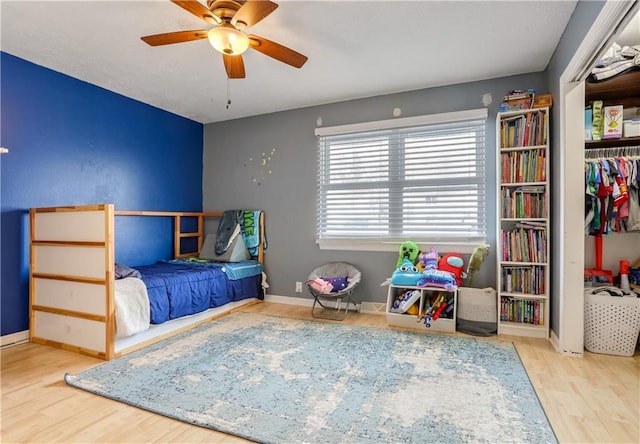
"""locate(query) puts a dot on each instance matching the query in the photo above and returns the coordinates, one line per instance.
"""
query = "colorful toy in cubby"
(405, 301)
(426, 317)
(436, 307)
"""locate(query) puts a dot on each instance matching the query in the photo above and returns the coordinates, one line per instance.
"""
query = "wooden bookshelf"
(523, 222)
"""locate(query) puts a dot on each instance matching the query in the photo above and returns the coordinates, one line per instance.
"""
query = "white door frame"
(569, 273)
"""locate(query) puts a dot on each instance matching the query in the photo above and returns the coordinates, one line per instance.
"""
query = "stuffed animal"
(408, 250)
(407, 274)
(478, 256)
(438, 278)
(454, 264)
(428, 261)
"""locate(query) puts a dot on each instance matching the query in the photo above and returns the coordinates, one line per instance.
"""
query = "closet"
(617, 243)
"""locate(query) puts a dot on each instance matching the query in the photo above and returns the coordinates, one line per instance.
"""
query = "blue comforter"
(179, 289)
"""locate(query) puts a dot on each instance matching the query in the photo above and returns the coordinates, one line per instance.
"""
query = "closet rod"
(621, 151)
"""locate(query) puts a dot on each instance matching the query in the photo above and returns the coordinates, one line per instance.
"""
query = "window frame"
(388, 243)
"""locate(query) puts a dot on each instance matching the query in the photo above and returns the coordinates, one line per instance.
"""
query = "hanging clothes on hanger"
(612, 190)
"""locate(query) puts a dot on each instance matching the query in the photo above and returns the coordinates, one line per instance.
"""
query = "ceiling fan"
(230, 18)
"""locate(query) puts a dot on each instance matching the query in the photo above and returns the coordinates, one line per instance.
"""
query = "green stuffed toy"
(408, 250)
(478, 256)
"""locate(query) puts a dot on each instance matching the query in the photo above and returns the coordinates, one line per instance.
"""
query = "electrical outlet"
(298, 287)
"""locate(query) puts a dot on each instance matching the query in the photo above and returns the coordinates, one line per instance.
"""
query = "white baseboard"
(14, 338)
(378, 308)
(555, 342)
(289, 300)
(363, 307)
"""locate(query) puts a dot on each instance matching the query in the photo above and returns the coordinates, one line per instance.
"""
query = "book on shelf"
(524, 279)
(525, 243)
(522, 311)
(524, 166)
(524, 130)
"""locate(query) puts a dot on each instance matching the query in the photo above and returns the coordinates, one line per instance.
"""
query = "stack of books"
(517, 99)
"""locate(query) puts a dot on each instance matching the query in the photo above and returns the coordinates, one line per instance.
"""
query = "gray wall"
(581, 21)
(286, 187)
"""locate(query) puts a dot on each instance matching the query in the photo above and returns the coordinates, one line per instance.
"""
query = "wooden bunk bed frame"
(72, 279)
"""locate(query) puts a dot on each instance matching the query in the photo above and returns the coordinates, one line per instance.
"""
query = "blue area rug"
(282, 380)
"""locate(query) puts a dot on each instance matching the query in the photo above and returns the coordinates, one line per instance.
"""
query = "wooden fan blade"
(234, 66)
(199, 10)
(174, 37)
(251, 12)
(277, 51)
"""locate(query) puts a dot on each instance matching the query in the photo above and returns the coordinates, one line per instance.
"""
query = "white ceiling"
(356, 49)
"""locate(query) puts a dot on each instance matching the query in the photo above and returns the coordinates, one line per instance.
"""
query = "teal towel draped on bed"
(250, 229)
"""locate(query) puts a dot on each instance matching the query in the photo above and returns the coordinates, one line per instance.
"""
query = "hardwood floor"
(594, 399)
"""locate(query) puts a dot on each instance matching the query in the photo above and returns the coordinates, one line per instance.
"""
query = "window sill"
(462, 247)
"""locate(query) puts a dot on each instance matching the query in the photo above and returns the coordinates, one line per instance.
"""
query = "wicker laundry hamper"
(611, 323)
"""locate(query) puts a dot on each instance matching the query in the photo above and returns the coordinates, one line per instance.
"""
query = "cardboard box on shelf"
(543, 100)
(631, 128)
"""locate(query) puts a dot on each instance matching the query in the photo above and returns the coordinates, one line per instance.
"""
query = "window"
(419, 178)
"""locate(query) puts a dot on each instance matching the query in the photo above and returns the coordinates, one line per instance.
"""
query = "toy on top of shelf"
(454, 264)
(407, 274)
(476, 260)
(428, 261)
(438, 278)
(408, 250)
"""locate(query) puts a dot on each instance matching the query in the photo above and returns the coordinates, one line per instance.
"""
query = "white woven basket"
(611, 324)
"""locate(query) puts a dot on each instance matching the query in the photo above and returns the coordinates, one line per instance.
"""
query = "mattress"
(180, 288)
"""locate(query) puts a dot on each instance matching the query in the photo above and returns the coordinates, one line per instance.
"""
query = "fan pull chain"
(228, 92)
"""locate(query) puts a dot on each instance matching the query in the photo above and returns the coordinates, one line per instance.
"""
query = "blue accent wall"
(73, 143)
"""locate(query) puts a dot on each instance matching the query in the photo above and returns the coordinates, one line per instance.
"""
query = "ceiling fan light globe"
(228, 40)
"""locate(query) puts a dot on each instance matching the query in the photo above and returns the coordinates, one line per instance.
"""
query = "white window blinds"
(424, 182)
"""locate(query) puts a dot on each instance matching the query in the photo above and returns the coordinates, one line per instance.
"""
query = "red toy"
(438, 312)
(454, 264)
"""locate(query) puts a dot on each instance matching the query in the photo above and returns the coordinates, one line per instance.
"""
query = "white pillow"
(236, 252)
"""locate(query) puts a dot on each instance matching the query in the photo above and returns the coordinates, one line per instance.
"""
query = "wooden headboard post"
(110, 276)
(261, 247)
